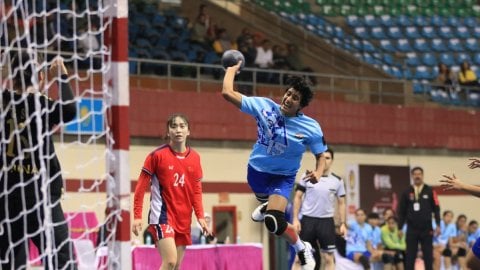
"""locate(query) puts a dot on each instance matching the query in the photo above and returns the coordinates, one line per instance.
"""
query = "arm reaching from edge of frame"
(452, 182)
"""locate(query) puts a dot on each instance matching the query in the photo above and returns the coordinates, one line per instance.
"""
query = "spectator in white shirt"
(264, 55)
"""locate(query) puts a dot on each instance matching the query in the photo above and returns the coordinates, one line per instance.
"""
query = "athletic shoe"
(258, 215)
(306, 257)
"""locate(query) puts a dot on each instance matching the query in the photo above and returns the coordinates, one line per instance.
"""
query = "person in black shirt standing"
(417, 204)
(31, 180)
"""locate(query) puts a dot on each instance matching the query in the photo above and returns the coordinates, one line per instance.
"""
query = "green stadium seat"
(362, 11)
(444, 11)
(322, 2)
(427, 12)
(354, 3)
(412, 10)
(346, 10)
(475, 11)
(394, 11)
(378, 10)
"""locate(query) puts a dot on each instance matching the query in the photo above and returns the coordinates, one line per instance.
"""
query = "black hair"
(23, 67)
(446, 212)
(301, 85)
(329, 150)
(416, 169)
(358, 210)
(172, 117)
(472, 222)
(373, 215)
(392, 217)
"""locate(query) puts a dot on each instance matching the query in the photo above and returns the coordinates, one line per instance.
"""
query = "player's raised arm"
(228, 92)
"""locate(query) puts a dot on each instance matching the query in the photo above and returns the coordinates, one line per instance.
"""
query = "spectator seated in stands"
(244, 35)
(375, 238)
(264, 57)
(458, 246)
(467, 77)
(358, 239)
(223, 42)
(443, 241)
(446, 80)
(200, 32)
(264, 60)
(394, 244)
(296, 63)
(473, 233)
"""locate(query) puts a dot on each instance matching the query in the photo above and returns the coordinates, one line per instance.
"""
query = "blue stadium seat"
(403, 45)
(453, 21)
(438, 45)
(421, 45)
(429, 32)
(476, 59)
(387, 46)
(462, 32)
(369, 59)
(407, 74)
(418, 87)
(422, 73)
(361, 32)
(387, 69)
(394, 32)
(377, 33)
(429, 59)
(445, 32)
(388, 59)
(470, 22)
(437, 21)
(412, 60)
(357, 44)
(462, 57)
(476, 32)
(472, 45)
(420, 21)
(447, 59)
(396, 72)
(455, 45)
(159, 21)
(368, 47)
(371, 21)
(404, 21)
(354, 21)
(387, 20)
(412, 32)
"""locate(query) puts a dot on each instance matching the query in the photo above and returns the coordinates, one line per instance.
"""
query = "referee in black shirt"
(417, 204)
(31, 180)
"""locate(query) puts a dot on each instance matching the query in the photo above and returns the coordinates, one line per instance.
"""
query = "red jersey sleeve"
(197, 189)
(142, 185)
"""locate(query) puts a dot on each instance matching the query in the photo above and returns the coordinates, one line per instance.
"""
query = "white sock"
(299, 245)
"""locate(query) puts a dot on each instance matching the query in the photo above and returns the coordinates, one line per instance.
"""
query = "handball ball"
(231, 58)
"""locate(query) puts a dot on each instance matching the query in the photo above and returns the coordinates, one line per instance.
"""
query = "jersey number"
(179, 180)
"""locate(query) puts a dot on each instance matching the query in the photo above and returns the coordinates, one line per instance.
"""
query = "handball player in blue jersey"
(284, 133)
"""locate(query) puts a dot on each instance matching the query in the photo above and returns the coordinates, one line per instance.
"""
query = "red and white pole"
(116, 39)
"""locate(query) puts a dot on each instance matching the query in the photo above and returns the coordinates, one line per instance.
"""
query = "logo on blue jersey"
(272, 132)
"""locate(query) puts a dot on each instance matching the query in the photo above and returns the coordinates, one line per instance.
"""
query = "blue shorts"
(351, 255)
(268, 184)
(476, 248)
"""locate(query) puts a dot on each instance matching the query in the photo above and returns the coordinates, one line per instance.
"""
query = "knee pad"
(275, 221)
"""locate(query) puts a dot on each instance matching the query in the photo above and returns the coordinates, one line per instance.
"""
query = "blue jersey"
(358, 236)
(376, 237)
(472, 237)
(446, 232)
(281, 140)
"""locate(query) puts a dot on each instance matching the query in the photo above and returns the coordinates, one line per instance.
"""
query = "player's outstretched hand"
(137, 227)
(205, 229)
(474, 163)
(311, 176)
(451, 182)
(58, 68)
(343, 230)
(236, 67)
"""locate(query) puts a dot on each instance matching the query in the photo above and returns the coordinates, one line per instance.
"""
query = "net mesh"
(32, 228)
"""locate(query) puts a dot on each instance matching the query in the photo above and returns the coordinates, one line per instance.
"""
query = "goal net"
(60, 188)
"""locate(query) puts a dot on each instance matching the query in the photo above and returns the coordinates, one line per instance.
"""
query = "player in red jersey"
(174, 174)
